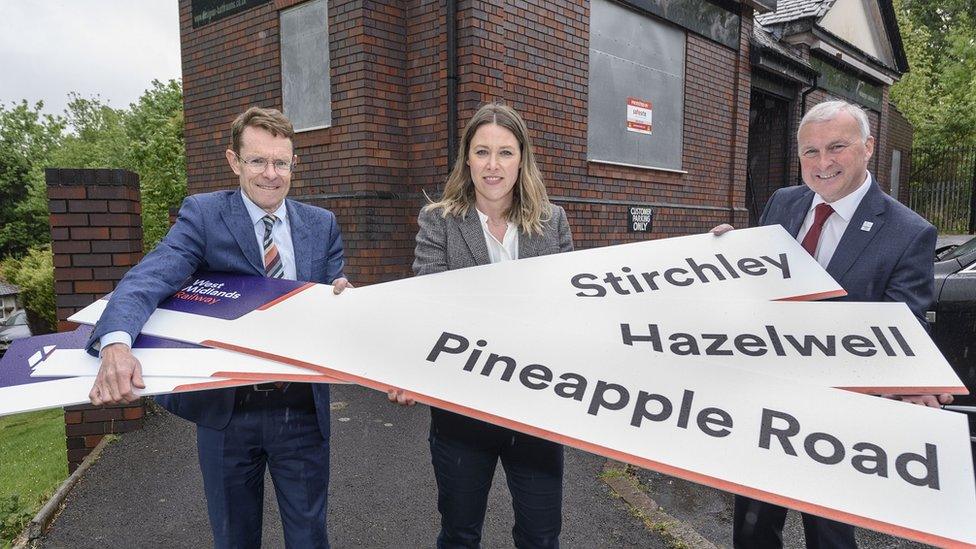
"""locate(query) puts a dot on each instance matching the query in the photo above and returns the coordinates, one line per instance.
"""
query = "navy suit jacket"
(215, 233)
(893, 261)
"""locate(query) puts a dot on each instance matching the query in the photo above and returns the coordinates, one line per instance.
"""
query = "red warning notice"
(639, 115)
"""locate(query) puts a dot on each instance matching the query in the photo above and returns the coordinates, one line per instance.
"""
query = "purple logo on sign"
(15, 365)
(227, 296)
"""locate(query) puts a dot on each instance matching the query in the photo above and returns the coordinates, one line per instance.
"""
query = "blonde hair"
(530, 204)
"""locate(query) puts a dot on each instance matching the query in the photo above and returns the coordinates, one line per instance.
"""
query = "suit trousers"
(464, 453)
(759, 525)
(278, 430)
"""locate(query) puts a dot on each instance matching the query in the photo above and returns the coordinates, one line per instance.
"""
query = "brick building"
(631, 103)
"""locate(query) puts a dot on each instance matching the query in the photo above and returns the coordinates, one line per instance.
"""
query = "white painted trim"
(313, 128)
(669, 170)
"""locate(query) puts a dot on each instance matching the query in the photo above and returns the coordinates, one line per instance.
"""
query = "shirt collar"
(257, 214)
(484, 218)
(846, 206)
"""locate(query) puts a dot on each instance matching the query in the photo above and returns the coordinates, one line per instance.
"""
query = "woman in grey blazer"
(494, 208)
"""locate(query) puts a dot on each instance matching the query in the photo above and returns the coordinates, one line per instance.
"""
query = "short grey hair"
(828, 110)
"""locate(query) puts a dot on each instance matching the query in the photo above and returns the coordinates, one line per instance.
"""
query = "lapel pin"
(866, 226)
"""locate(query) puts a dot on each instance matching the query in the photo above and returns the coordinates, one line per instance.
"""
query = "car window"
(960, 250)
(15, 319)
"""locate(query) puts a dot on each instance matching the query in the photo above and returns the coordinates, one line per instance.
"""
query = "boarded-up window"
(636, 88)
(305, 90)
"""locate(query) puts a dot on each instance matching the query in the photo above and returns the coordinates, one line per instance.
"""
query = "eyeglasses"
(259, 165)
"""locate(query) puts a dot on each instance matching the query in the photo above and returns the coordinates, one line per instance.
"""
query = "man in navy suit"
(253, 230)
(872, 245)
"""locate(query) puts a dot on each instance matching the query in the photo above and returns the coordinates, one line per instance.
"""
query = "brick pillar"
(96, 236)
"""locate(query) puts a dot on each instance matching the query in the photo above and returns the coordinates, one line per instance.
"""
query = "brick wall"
(387, 142)
(359, 166)
(538, 53)
(96, 236)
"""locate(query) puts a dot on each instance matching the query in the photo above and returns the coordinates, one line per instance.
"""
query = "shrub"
(34, 273)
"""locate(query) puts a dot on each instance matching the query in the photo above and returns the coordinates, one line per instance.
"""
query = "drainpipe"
(733, 143)
(452, 83)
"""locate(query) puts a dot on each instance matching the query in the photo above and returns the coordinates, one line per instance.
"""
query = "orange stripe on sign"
(953, 390)
(816, 296)
(255, 376)
(212, 385)
(276, 301)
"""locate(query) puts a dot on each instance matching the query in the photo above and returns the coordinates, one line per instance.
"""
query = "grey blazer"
(456, 242)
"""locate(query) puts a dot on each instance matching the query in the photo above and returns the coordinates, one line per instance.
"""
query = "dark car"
(953, 318)
(14, 327)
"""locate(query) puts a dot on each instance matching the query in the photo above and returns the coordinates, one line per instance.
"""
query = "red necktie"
(812, 238)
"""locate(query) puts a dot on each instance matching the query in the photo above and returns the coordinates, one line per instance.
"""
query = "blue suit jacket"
(893, 261)
(214, 232)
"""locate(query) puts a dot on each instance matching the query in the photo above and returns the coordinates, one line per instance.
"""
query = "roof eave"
(894, 34)
(840, 51)
(761, 6)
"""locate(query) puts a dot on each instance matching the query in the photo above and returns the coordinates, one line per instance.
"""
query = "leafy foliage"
(97, 139)
(938, 95)
(34, 273)
(13, 518)
(157, 152)
(147, 139)
(27, 140)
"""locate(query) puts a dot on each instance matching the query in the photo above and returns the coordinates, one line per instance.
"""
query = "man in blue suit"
(254, 230)
(872, 245)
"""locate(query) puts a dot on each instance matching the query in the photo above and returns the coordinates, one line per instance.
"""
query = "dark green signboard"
(207, 11)
(847, 85)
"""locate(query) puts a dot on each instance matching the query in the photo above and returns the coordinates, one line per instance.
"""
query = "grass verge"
(33, 463)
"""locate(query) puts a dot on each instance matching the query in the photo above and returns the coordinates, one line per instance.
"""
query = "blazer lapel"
(854, 241)
(798, 212)
(301, 237)
(474, 236)
(239, 223)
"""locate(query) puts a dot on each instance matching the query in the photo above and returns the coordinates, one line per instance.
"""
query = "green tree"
(96, 138)
(938, 95)
(157, 152)
(146, 138)
(27, 141)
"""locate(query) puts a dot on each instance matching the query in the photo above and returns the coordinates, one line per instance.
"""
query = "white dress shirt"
(836, 224)
(280, 233)
(507, 249)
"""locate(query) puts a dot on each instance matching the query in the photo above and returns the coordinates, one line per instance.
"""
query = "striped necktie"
(273, 268)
